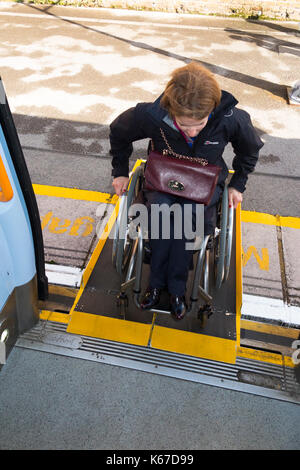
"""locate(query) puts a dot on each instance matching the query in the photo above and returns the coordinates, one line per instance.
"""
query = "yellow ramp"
(112, 329)
(194, 344)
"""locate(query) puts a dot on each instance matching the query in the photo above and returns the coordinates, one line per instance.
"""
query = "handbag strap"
(201, 161)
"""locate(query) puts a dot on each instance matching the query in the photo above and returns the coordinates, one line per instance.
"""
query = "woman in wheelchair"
(198, 119)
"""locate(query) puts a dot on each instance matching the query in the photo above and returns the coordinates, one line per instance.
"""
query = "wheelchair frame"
(128, 254)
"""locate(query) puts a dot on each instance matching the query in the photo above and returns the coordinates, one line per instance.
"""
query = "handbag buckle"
(175, 185)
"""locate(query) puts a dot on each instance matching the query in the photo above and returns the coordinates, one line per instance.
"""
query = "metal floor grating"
(246, 375)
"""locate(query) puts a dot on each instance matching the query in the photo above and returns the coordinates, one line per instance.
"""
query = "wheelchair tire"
(122, 201)
(122, 246)
(225, 241)
(229, 243)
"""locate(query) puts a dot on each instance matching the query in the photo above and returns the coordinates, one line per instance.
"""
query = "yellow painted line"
(270, 329)
(259, 218)
(54, 316)
(71, 193)
(264, 356)
(62, 290)
(239, 273)
(268, 219)
(79, 194)
(292, 222)
(112, 329)
(194, 344)
(95, 196)
(288, 362)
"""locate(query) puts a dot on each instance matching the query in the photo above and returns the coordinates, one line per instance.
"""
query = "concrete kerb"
(255, 9)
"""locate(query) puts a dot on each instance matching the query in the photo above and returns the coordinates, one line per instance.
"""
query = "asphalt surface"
(67, 73)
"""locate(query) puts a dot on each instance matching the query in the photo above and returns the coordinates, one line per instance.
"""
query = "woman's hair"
(192, 92)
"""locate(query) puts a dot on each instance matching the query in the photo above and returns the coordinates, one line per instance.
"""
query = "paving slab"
(69, 228)
(261, 264)
(291, 248)
(71, 221)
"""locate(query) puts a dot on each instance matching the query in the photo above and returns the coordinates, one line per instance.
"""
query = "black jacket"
(226, 124)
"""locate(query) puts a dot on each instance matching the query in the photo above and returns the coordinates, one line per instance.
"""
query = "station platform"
(257, 336)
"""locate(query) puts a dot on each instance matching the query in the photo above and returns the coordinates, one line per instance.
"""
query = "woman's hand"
(234, 197)
(120, 184)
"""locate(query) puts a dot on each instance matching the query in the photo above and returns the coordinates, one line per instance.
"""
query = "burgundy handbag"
(180, 175)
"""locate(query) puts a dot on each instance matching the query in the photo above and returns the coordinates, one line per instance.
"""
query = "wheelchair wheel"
(200, 282)
(122, 244)
(224, 243)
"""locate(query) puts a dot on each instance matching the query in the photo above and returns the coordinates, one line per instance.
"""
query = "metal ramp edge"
(246, 375)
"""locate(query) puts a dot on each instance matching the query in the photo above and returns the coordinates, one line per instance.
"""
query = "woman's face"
(190, 126)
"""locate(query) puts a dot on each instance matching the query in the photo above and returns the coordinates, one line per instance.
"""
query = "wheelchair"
(212, 256)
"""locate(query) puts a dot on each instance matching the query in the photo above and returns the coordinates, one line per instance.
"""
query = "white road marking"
(270, 309)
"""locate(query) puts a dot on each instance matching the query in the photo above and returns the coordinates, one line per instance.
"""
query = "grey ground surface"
(54, 402)
(67, 73)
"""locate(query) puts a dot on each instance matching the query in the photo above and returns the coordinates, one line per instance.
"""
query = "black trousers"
(170, 260)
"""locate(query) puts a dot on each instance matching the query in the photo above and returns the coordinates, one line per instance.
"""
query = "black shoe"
(151, 298)
(178, 306)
